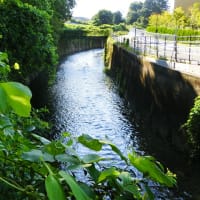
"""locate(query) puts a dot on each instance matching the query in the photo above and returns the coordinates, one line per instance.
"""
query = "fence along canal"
(181, 49)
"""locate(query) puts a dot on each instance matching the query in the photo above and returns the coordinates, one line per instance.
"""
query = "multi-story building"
(185, 4)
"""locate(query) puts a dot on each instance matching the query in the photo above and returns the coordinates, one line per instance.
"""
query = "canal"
(84, 100)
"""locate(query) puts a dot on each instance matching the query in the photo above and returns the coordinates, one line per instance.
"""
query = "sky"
(88, 8)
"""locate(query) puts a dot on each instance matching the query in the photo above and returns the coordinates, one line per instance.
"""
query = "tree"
(179, 17)
(136, 6)
(59, 8)
(117, 17)
(59, 11)
(27, 38)
(195, 15)
(155, 6)
(30, 30)
(159, 20)
(140, 12)
(134, 12)
(103, 17)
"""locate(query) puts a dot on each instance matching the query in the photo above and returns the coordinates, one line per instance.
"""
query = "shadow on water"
(161, 100)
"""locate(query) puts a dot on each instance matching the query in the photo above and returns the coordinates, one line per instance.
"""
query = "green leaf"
(115, 149)
(3, 56)
(88, 190)
(72, 162)
(94, 173)
(41, 139)
(4, 122)
(37, 155)
(76, 189)
(55, 148)
(148, 166)
(89, 142)
(68, 158)
(129, 185)
(4, 107)
(148, 194)
(111, 172)
(16, 96)
(53, 188)
(92, 158)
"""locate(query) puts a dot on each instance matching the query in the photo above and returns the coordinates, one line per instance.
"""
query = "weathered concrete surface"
(186, 68)
(72, 45)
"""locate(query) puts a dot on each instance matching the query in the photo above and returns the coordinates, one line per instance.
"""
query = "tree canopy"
(179, 19)
(103, 17)
(30, 30)
(140, 12)
(107, 17)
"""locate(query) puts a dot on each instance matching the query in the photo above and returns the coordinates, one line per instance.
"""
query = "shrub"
(27, 38)
(192, 127)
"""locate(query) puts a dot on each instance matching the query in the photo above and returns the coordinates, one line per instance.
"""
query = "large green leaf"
(89, 142)
(53, 188)
(149, 167)
(92, 158)
(76, 189)
(96, 145)
(111, 172)
(36, 155)
(72, 162)
(55, 148)
(16, 96)
(41, 139)
(115, 149)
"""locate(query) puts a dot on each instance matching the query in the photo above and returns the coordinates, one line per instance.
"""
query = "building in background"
(185, 4)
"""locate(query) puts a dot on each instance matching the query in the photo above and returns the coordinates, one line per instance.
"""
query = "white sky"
(88, 8)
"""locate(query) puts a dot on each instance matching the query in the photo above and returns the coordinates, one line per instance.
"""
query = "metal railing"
(183, 49)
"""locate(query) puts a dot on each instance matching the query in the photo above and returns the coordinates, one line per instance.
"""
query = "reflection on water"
(85, 100)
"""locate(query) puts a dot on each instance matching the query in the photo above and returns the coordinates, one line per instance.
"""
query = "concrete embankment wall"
(72, 45)
(161, 98)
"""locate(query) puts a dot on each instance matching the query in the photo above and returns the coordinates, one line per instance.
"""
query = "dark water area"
(84, 100)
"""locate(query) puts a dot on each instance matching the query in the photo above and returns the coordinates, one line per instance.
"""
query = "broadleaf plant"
(15, 96)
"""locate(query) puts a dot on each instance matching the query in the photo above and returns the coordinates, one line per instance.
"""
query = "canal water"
(84, 100)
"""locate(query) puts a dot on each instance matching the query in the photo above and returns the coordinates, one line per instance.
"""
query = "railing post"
(190, 41)
(150, 45)
(157, 45)
(145, 43)
(165, 47)
(175, 48)
(134, 43)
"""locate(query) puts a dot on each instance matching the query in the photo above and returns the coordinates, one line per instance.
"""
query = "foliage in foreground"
(33, 167)
(29, 162)
(192, 127)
